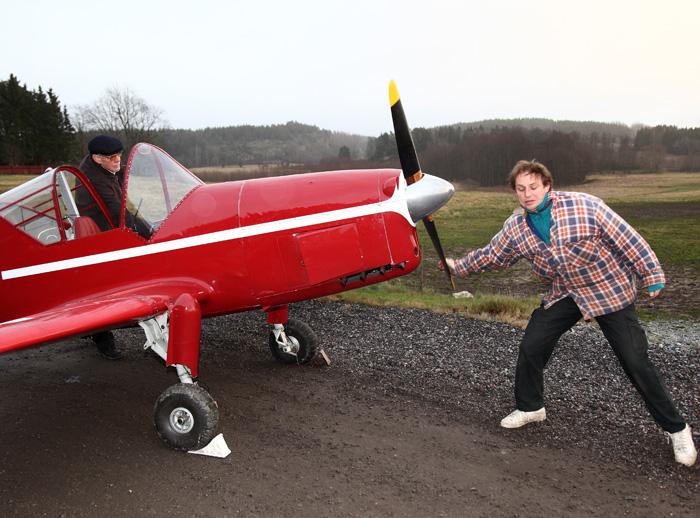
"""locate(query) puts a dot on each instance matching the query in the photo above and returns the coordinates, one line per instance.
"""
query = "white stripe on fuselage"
(396, 203)
(15, 321)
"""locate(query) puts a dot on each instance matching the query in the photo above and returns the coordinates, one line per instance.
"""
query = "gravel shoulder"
(403, 423)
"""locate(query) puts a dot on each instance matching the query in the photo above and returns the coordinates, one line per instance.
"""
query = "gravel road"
(403, 423)
(468, 367)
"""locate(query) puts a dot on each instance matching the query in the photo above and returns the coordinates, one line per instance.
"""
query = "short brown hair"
(531, 167)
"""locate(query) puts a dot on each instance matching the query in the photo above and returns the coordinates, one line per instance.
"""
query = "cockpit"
(45, 207)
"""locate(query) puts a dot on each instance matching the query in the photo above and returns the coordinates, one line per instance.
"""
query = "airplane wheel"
(303, 339)
(186, 417)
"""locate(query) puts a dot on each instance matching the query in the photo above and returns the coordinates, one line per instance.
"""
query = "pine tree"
(34, 128)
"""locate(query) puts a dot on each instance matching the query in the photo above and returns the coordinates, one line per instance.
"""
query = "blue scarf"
(540, 219)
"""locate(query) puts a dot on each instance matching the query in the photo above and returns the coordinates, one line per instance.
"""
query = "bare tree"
(122, 113)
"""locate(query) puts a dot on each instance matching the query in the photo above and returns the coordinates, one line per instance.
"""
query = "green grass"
(8, 181)
(683, 187)
(471, 219)
(672, 229)
(395, 293)
(649, 315)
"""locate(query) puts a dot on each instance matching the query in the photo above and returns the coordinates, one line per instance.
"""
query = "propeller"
(411, 167)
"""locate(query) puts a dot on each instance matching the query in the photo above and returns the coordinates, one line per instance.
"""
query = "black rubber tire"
(203, 411)
(308, 343)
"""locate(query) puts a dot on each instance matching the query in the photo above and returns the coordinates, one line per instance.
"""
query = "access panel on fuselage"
(304, 239)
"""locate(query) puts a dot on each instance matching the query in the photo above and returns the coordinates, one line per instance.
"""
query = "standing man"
(589, 256)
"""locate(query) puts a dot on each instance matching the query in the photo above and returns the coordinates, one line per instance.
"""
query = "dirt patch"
(681, 295)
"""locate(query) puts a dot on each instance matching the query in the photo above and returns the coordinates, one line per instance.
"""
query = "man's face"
(530, 190)
(112, 162)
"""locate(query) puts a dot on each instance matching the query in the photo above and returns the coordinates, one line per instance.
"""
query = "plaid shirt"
(592, 256)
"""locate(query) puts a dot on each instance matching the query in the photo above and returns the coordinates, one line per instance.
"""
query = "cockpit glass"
(156, 183)
(30, 207)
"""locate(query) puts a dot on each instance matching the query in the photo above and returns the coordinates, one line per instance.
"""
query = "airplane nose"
(427, 195)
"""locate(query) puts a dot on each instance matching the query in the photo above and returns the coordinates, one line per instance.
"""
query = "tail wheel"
(186, 417)
(302, 340)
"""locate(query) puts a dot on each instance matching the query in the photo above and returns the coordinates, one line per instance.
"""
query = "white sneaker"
(519, 418)
(683, 446)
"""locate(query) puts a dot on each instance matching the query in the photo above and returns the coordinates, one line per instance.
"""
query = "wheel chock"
(217, 447)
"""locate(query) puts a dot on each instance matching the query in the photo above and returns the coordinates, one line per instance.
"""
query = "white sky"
(328, 63)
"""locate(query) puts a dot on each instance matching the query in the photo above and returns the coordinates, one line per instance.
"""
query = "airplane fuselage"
(248, 244)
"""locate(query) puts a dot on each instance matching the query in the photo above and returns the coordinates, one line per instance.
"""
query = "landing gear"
(295, 342)
(186, 417)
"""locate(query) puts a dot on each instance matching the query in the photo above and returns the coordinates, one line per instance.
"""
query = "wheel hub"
(292, 345)
(181, 420)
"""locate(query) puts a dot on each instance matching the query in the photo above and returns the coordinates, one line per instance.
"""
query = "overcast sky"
(327, 63)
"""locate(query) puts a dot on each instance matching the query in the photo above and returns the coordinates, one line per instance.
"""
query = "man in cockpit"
(102, 166)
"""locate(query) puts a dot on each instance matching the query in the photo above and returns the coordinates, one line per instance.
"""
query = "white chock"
(217, 447)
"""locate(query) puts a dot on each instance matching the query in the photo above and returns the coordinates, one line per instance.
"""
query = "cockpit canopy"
(45, 207)
(32, 208)
(155, 184)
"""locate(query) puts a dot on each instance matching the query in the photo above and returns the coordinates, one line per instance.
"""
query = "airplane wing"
(76, 318)
(96, 313)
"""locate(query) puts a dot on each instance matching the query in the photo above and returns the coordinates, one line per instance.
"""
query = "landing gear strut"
(185, 415)
(294, 342)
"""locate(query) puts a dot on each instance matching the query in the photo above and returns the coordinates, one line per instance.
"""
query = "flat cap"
(104, 145)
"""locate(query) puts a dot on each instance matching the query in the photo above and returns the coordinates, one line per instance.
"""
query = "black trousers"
(626, 337)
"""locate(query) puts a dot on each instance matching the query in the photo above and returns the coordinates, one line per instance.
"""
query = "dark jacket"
(109, 187)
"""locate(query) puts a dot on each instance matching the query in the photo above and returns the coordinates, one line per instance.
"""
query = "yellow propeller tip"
(393, 93)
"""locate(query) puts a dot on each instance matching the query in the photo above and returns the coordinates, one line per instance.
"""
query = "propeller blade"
(411, 167)
(432, 232)
(404, 141)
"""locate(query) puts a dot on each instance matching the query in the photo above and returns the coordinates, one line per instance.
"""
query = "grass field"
(8, 181)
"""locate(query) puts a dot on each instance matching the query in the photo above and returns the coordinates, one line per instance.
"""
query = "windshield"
(30, 207)
(155, 184)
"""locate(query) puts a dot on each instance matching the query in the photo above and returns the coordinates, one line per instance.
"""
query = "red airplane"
(215, 249)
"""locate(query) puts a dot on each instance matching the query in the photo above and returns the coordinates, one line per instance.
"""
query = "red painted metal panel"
(271, 199)
(185, 330)
(208, 208)
(331, 253)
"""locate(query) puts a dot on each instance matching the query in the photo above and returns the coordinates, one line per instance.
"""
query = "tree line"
(36, 130)
(484, 154)
(290, 143)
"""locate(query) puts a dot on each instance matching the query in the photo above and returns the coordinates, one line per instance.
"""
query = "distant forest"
(36, 130)
(484, 152)
(290, 143)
